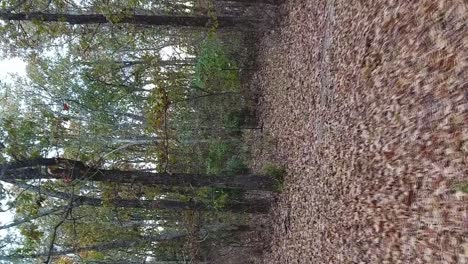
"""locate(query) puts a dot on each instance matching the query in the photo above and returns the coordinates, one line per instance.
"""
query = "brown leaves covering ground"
(367, 102)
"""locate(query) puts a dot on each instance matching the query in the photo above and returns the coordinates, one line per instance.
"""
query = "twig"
(54, 233)
(166, 141)
(28, 219)
(94, 34)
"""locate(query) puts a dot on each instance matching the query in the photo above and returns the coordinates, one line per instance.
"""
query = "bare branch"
(29, 219)
(54, 234)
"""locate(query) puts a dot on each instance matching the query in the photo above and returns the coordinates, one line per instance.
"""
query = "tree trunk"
(30, 169)
(270, 2)
(99, 247)
(254, 206)
(152, 20)
(185, 62)
(153, 141)
(147, 262)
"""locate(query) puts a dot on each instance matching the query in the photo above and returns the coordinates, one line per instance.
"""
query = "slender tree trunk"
(148, 262)
(254, 206)
(99, 247)
(138, 141)
(152, 141)
(205, 96)
(152, 20)
(30, 169)
(245, 182)
(185, 62)
(270, 2)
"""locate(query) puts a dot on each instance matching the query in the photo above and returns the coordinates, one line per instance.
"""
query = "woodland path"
(366, 104)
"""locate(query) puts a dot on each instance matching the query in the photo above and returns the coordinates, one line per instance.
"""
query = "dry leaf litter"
(366, 104)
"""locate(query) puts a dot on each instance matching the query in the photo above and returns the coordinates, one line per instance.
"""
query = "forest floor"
(366, 104)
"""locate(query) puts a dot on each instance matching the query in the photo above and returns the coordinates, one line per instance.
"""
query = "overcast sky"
(7, 67)
(11, 66)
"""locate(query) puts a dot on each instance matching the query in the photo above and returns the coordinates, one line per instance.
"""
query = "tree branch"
(54, 234)
(28, 219)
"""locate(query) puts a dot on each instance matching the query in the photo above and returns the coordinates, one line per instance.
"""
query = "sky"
(8, 67)
(14, 65)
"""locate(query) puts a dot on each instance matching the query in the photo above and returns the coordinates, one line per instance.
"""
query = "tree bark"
(270, 2)
(254, 206)
(99, 247)
(30, 169)
(152, 20)
(153, 141)
(185, 62)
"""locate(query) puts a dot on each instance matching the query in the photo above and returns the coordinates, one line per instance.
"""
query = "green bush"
(235, 165)
(217, 156)
(277, 172)
(233, 122)
(213, 68)
(217, 198)
(237, 120)
(226, 158)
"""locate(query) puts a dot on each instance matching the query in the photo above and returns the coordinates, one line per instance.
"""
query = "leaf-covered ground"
(366, 103)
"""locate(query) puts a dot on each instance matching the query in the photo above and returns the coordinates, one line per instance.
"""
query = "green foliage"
(236, 120)
(24, 137)
(213, 197)
(217, 156)
(277, 172)
(32, 238)
(225, 158)
(158, 104)
(213, 70)
(64, 260)
(26, 204)
(109, 193)
(99, 225)
(236, 165)
(217, 198)
(93, 255)
(233, 122)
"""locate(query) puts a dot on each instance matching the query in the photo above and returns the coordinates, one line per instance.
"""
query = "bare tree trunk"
(185, 62)
(99, 247)
(270, 2)
(152, 20)
(31, 169)
(153, 140)
(253, 206)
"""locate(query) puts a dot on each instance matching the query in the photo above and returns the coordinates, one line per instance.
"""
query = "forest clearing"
(234, 131)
